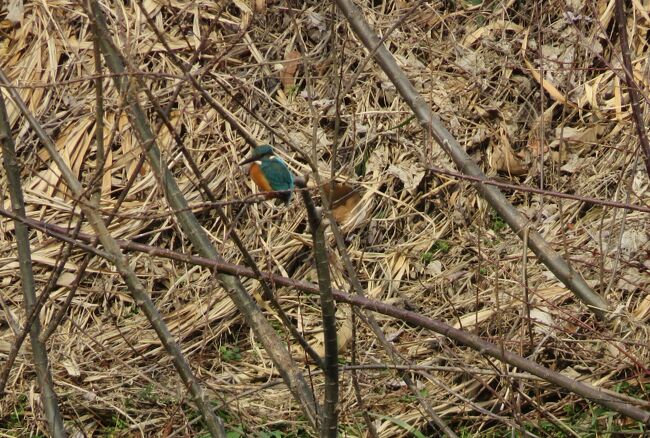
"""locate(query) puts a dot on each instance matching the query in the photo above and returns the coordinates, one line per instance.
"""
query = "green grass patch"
(441, 246)
(229, 353)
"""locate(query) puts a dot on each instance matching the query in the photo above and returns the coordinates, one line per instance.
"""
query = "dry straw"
(533, 93)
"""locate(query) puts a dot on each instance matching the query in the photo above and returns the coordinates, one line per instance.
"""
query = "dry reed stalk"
(515, 83)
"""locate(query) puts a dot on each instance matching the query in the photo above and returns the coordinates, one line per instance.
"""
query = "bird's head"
(258, 153)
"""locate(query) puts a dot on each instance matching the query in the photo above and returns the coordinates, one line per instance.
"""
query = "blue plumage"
(277, 173)
(270, 173)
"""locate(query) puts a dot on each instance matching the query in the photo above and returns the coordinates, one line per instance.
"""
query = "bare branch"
(328, 309)
(197, 235)
(431, 123)
(632, 86)
(41, 363)
(621, 404)
(126, 271)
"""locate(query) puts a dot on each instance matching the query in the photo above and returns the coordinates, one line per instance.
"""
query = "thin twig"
(431, 122)
(632, 86)
(552, 193)
(619, 404)
(195, 232)
(267, 291)
(121, 263)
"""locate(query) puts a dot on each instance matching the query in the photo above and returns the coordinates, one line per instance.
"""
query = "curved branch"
(192, 228)
(461, 337)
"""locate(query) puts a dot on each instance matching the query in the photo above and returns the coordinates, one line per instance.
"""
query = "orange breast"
(258, 177)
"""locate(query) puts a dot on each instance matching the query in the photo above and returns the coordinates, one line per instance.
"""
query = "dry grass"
(418, 239)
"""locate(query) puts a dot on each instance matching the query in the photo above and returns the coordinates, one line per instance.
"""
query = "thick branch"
(121, 263)
(458, 336)
(431, 123)
(41, 363)
(196, 234)
(329, 425)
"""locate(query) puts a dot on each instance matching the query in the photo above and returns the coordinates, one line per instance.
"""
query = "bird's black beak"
(248, 160)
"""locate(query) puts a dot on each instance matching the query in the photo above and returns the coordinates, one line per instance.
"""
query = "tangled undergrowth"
(532, 90)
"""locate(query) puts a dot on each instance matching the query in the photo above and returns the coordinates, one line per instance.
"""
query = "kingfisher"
(270, 173)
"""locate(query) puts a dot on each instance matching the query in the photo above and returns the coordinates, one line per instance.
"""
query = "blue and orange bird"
(270, 173)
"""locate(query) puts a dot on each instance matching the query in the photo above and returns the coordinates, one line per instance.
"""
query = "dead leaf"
(409, 173)
(535, 146)
(66, 279)
(571, 373)
(15, 11)
(344, 200)
(640, 182)
(642, 311)
(503, 159)
(289, 68)
(260, 6)
(633, 241)
(316, 20)
(632, 279)
(391, 337)
(587, 136)
(343, 337)
(573, 165)
(434, 268)
(543, 321)
(5, 347)
(71, 367)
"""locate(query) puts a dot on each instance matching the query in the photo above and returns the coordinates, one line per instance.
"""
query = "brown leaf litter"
(536, 104)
